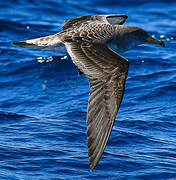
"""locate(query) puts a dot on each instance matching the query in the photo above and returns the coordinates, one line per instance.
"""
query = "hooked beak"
(154, 41)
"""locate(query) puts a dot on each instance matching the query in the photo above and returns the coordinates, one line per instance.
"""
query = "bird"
(93, 43)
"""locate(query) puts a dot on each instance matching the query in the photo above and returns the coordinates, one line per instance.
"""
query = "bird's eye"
(141, 33)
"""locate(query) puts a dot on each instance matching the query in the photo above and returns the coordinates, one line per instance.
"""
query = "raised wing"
(109, 19)
(106, 72)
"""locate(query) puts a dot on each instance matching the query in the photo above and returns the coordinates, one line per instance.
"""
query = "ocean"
(43, 101)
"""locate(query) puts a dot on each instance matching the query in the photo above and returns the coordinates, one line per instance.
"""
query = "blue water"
(43, 101)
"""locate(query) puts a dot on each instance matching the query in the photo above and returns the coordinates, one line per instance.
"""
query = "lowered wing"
(106, 72)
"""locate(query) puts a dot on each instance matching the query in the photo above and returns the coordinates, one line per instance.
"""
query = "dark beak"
(154, 41)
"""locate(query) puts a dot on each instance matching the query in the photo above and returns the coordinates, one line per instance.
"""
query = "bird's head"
(134, 36)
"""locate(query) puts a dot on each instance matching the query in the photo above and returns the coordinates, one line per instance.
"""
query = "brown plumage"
(86, 39)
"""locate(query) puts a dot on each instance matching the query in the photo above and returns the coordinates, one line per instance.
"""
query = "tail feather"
(51, 42)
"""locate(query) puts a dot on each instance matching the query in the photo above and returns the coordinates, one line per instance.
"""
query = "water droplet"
(162, 36)
(43, 86)
(172, 38)
(64, 58)
(45, 59)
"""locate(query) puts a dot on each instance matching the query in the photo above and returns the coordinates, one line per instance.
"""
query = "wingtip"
(93, 163)
(91, 167)
(19, 43)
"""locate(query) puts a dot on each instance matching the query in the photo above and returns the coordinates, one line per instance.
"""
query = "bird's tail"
(51, 42)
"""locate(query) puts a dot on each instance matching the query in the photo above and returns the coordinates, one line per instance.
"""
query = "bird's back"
(91, 32)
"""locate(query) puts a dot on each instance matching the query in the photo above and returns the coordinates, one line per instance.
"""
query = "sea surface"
(43, 101)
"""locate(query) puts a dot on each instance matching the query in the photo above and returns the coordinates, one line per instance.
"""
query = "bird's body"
(88, 40)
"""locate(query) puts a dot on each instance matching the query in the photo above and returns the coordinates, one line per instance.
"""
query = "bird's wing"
(49, 43)
(106, 71)
(108, 19)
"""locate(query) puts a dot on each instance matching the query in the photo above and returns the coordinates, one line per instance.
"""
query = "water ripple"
(43, 101)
